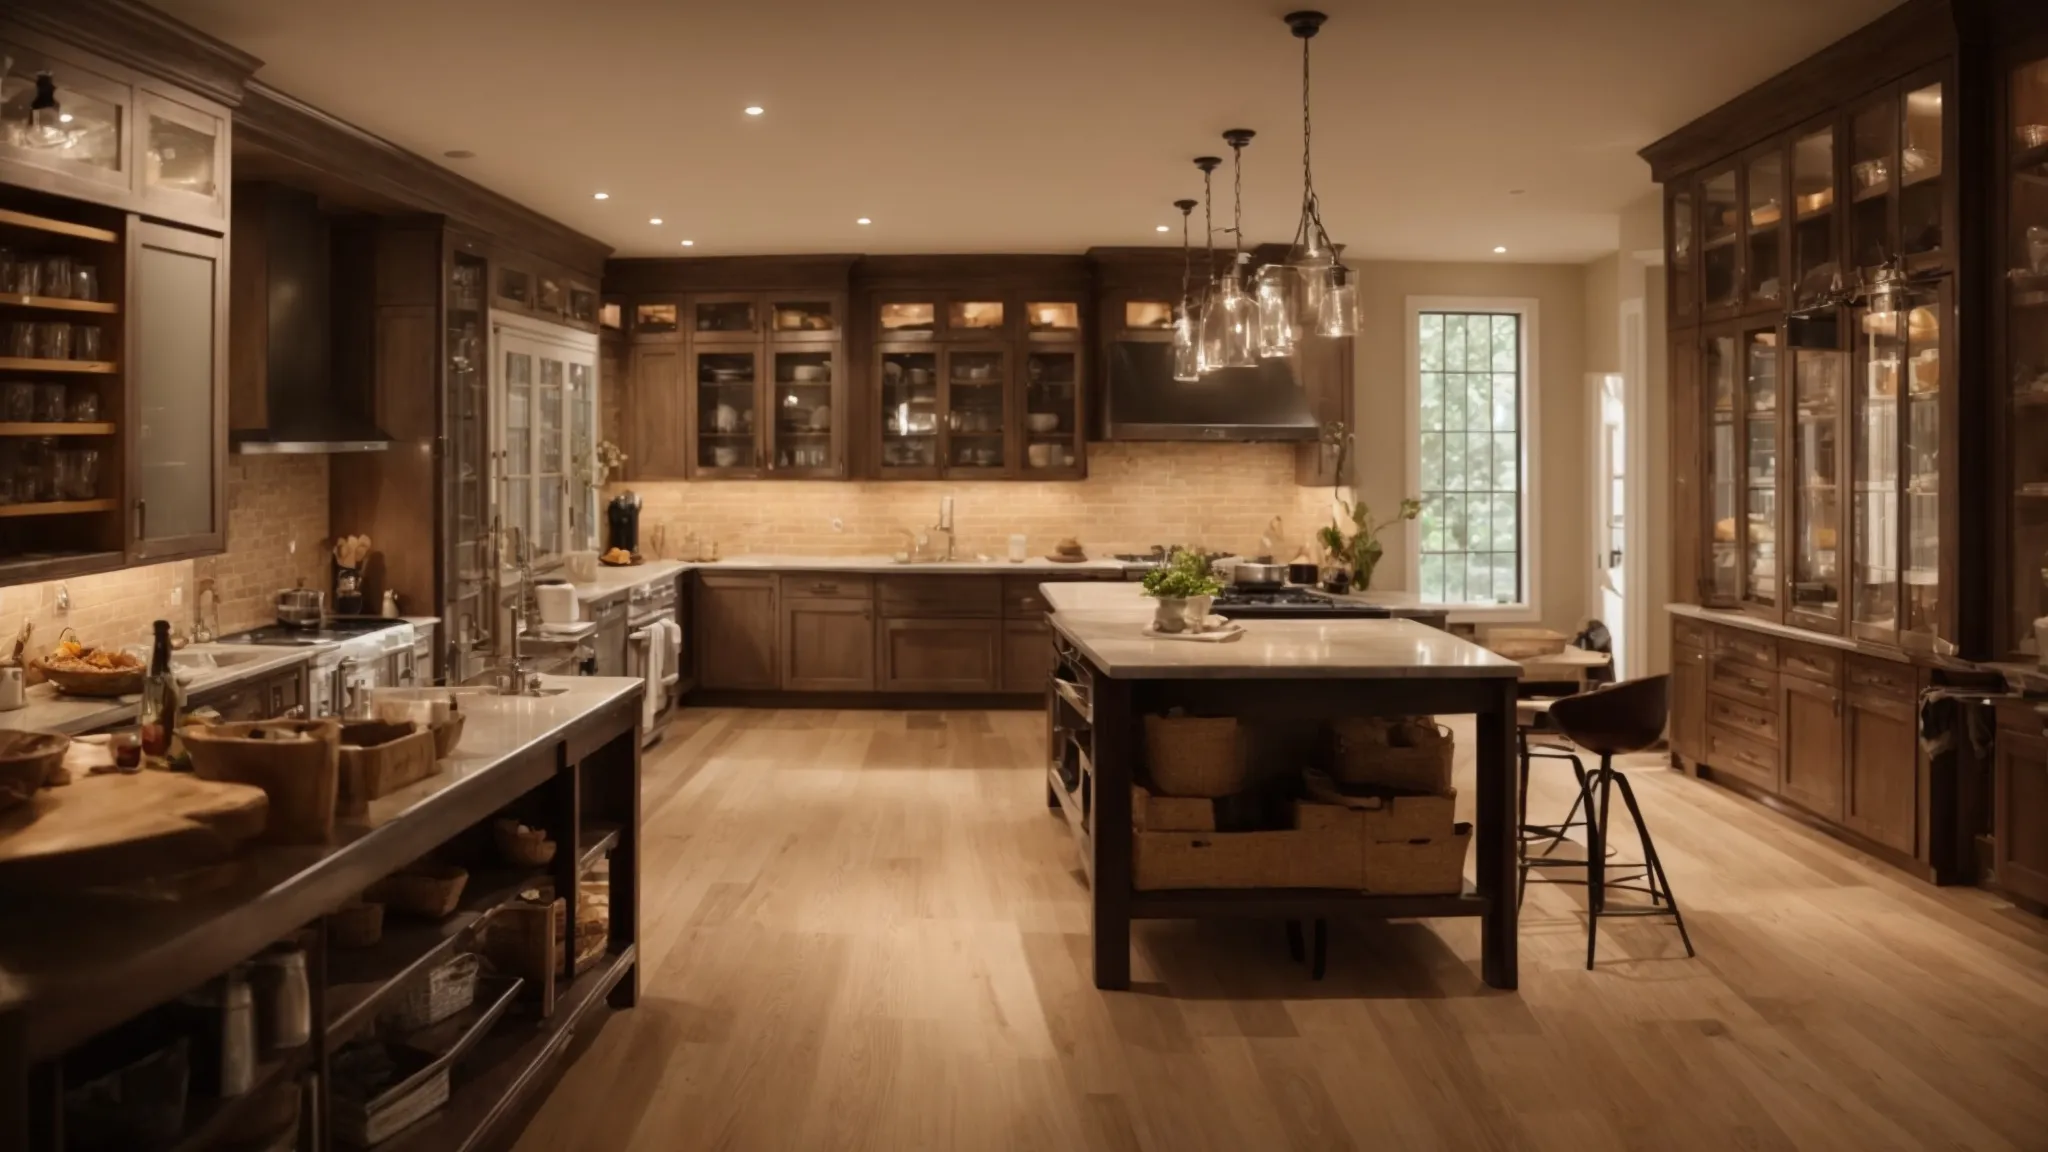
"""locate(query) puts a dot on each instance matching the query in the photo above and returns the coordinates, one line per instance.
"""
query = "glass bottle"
(159, 696)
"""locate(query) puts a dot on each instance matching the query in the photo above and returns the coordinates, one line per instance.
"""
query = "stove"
(350, 654)
(1136, 564)
(1292, 603)
(331, 631)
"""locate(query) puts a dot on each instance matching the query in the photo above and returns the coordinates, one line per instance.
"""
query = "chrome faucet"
(945, 523)
(517, 679)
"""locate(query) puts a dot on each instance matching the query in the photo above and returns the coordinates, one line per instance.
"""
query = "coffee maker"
(622, 522)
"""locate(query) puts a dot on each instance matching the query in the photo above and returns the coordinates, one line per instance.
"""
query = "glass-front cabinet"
(805, 436)
(1897, 574)
(725, 421)
(184, 155)
(1899, 205)
(2022, 325)
(466, 563)
(1819, 365)
(1723, 580)
(1759, 443)
(1816, 266)
(1763, 229)
(977, 420)
(1720, 242)
(767, 379)
(89, 139)
(1053, 428)
(907, 390)
(545, 374)
(1923, 203)
(1681, 247)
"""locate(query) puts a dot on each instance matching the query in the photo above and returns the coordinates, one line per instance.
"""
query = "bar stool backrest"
(1625, 717)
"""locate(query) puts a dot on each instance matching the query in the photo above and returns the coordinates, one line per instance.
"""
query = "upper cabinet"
(765, 388)
(2019, 360)
(1720, 241)
(1900, 213)
(1816, 273)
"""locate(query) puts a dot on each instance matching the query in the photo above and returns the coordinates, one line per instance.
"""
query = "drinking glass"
(85, 342)
(57, 277)
(17, 402)
(26, 278)
(85, 403)
(21, 340)
(50, 403)
(53, 340)
(78, 473)
(85, 282)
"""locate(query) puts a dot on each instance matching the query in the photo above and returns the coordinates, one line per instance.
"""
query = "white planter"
(1195, 610)
(1170, 614)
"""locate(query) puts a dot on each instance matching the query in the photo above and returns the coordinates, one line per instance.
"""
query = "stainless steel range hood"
(1144, 402)
(281, 307)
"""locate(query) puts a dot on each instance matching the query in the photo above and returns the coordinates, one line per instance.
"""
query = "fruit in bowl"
(618, 557)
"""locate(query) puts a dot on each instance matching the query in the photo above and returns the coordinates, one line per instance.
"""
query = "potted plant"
(1185, 589)
(1360, 549)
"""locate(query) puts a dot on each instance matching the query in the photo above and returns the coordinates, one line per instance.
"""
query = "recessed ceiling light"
(63, 117)
(459, 154)
(863, 220)
(654, 219)
(1500, 249)
(1161, 228)
(754, 109)
(600, 196)
(689, 243)
(1516, 191)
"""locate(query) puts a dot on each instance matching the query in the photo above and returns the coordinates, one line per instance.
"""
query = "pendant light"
(46, 117)
(1325, 292)
(1208, 355)
(1187, 360)
(1230, 319)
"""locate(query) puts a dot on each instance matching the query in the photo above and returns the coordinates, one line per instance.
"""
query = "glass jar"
(52, 404)
(78, 473)
(21, 340)
(37, 474)
(86, 343)
(53, 340)
(85, 282)
(84, 403)
(17, 402)
(57, 277)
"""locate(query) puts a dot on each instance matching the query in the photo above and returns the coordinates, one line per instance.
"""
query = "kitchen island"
(1109, 676)
(76, 963)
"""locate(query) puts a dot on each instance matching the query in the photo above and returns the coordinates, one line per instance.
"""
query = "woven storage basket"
(1195, 756)
(91, 682)
(447, 735)
(521, 845)
(438, 995)
(431, 890)
(27, 762)
(356, 925)
(1411, 755)
(300, 776)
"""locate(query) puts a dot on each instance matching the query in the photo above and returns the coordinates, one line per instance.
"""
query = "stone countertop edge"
(1734, 619)
(883, 566)
(50, 711)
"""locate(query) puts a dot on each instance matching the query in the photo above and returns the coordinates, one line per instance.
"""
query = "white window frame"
(1530, 609)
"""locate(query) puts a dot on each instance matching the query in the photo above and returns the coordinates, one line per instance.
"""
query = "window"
(1470, 380)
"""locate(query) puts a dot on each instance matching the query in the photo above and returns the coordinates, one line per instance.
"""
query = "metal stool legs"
(1322, 946)
(1658, 886)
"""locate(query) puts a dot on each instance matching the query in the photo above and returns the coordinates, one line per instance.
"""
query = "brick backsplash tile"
(273, 503)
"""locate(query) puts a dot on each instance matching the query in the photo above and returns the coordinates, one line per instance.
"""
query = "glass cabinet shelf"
(2024, 247)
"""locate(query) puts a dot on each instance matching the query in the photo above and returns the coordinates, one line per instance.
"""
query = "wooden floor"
(864, 930)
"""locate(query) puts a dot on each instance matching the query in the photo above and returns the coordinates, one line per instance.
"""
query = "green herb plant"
(1360, 548)
(1184, 574)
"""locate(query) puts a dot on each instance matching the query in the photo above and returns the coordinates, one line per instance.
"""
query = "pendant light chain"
(1236, 203)
(1308, 181)
(1187, 256)
(1209, 220)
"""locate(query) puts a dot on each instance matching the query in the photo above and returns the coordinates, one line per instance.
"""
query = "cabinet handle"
(141, 518)
(1838, 707)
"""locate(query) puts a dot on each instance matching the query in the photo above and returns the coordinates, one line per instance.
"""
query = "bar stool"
(1532, 719)
(1626, 717)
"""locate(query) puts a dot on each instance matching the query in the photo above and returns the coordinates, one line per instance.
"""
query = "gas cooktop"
(331, 631)
(1293, 603)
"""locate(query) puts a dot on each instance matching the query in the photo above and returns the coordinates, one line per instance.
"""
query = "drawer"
(940, 595)
(1810, 663)
(1759, 724)
(2023, 718)
(1735, 754)
(1882, 677)
(1747, 648)
(827, 586)
(1746, 682)
(1021, 598)
(1691, 633)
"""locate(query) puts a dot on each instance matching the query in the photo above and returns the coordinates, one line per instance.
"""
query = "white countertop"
(612, 581)
(885, 565)
(1734, 619)
(1106, 622)
(51, 711)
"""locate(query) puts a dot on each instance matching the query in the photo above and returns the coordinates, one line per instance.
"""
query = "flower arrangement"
(610, 458)
(1360, 549)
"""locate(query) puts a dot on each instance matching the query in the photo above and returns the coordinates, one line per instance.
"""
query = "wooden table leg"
(1110, 832)
(1496, 833)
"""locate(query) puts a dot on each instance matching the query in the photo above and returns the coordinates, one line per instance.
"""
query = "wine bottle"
(159, 696)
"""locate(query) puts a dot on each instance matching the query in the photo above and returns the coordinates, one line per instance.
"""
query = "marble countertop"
(885, 565)
(51, 711)
(1735, 619)
(1106, 622)
(612, 581)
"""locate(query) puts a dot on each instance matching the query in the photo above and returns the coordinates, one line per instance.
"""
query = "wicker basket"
(356, 925)
(1195, 756)
(431, 890)
(91, 682)
(300, 776)
(1526, 643)
(28, 761)
(527, 847)
(438, 995)
(1402, 755)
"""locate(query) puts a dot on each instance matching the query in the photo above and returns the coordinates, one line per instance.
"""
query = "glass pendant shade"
(1230, 327)
(1273, 290)
(45, 116)
(1336, 308)
(1187, 344)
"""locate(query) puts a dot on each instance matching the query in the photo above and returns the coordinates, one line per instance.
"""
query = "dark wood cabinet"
(939, 655)
(278, 694)
(654, 423)
(1881, 784)
(1810, 720)
(2020, 803)
(177, 404)
(1027, 656)
(1689, 703)
(738, 631)
(828, 645)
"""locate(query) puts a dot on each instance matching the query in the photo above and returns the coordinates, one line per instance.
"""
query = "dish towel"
(650, 701)
(672, 663)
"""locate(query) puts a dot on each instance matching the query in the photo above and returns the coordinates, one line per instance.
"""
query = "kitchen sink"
(213, 661)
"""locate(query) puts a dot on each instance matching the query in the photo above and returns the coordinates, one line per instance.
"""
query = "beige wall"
(274, 502)
(1221, 496)
(1603, 313)
(1561, 467)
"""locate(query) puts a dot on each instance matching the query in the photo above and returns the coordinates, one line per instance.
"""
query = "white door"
(1610, 517)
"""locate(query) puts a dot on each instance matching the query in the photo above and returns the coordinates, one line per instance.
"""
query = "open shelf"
(57, 508)
(30, 364)
(66, 428)
(59, 304)
(57, 227)
(209, 1119)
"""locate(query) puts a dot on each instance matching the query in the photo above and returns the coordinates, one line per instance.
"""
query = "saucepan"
(1255, 575)
(301, 607)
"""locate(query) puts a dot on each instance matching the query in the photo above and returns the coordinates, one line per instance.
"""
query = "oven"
(652, 622)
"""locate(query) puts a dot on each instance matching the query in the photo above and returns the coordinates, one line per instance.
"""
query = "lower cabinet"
(1027, 655)
(738, 632)
(1689, 703)
(1810, 717)
(2020, 801)
(939, 655)
(828, 645)
(1881, 786)
(275, 695)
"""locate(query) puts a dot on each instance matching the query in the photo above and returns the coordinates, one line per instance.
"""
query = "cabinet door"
(511, 287)
(2020, 806)
(582, 485)
(184, 158)
(1682, 252)
(1689, 703)
(828, 645)
(515, 446)
(1053, 434)
(1761, 357)
(725, 419)
(1816, 235)
(1722, 582)
(551, 457)
(1027, 656)
(795, 317)
(806, 430)
(1810, 723)
(177, 447)
(1687, 501)
(939, 655)
(732, 319)
(1720, 243)
(88, 155)
(906, 383)
(1924, 225)
(655, 440)
(737, 632)
(1763, 228)
(976, 439)
(657, 321)
(1819, 361)
(2021, 357)
(1881, 796)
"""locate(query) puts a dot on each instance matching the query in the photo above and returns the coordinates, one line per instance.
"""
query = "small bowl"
(809, 373)
(1043, 421)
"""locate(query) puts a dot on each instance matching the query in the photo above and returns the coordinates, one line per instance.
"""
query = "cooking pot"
(1252, 574)
(301, 607)
(1303, 573)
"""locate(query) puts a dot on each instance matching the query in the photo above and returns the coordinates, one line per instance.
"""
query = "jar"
(284, 1002)
(78, 473)
(85, 342)
(84, 403)
(26, 278)
(52, 403)
(57, 277)
(85, 282)
(53, 340)
(21, 340)
(17, 402)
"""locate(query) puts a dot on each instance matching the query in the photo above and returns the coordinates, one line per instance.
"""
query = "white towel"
(674, 662)
(650, 701)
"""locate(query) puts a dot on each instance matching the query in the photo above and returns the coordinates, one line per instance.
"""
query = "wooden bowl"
(103, 683)
(28, 760)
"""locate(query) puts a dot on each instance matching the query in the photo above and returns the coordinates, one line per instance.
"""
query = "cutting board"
(105, 829)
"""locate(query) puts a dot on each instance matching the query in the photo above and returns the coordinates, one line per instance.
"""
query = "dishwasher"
(609, 642)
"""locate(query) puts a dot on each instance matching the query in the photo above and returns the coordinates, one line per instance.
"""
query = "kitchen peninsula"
(1110, 676)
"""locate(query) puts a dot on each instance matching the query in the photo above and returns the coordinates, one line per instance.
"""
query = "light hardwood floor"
(864, 930)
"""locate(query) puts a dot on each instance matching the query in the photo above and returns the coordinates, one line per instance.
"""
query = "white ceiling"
(986, 126)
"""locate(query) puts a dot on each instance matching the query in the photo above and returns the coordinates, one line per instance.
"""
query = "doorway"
(1619, 596)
